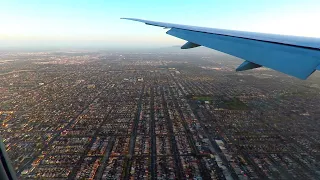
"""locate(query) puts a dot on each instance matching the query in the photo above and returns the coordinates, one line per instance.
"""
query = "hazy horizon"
(97, 24)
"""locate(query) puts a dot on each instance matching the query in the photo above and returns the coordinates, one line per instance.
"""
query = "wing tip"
(133, 19)
(126, 18)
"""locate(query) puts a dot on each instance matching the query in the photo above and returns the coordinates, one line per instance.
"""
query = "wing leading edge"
(296, 56)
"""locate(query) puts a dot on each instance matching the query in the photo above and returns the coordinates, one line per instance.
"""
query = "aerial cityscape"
(163, 114)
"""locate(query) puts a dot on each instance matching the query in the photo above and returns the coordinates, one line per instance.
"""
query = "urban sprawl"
(121, 115)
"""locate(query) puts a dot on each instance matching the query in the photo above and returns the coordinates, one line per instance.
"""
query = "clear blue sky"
(96, 22)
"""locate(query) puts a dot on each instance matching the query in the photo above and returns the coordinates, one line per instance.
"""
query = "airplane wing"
(293, 55)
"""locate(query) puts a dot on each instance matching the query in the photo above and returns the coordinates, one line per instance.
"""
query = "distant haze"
(96, 23)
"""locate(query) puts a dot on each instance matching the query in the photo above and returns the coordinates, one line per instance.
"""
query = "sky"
(96, 23)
